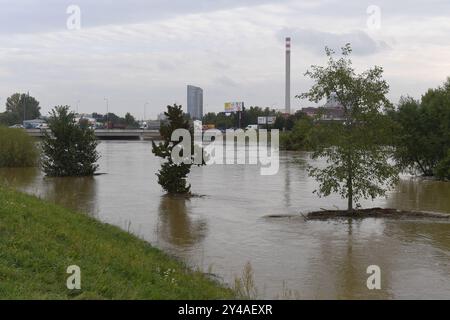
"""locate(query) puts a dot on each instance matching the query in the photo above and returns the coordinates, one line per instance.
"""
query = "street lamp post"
(24, 111)
(145, 110)
(27, 98)
(25, 108)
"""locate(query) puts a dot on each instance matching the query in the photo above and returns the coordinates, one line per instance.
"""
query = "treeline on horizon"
(420, 129)
(22, 106)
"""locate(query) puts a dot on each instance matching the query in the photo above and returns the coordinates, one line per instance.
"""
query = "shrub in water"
(69, 150)
(17, 148)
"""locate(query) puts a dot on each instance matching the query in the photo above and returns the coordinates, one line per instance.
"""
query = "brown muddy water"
(226, 227)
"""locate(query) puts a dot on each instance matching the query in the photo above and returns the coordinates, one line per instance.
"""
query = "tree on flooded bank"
(173, 176)
(422, 138)
(357, 159)
(70, 149)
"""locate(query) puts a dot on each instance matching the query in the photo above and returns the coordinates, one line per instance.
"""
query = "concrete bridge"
(111, 134)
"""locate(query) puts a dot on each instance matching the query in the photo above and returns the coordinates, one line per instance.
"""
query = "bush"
(17, 148)
(173, 176)
(299, 137)
(70, 150)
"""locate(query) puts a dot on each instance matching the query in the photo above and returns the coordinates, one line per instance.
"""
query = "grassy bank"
(39, 240)
(17, 148)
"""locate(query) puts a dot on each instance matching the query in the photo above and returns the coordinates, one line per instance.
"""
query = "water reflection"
(75, 193)
(435, 232)
(18, 177)
(177, 225)
(344, 250)
(352, 263)
(225, 229)
(287, 184)
(78, 193)
(421, 194)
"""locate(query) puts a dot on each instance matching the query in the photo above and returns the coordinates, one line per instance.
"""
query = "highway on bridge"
(112, 134)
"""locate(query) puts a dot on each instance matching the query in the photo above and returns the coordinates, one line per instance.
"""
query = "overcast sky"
(136, 51)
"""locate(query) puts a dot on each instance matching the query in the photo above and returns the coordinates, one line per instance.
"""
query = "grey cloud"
(28, 16)
(164, 65)
(389, 8)
(316, 40)
(226, 81)
(155, 60)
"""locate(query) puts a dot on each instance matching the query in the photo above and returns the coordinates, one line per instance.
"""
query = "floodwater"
(225, 227)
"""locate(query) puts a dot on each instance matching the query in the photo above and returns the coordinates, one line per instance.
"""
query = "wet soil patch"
(374, 213)
(364, 213)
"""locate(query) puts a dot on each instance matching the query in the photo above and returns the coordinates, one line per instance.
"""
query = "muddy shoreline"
(365, 213)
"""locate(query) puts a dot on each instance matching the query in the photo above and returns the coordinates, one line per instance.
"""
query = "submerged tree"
(357, 158)
(70, 149)
(422, 138)
(173, 175)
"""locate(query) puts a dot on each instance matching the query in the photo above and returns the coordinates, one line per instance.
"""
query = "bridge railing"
(110, 133)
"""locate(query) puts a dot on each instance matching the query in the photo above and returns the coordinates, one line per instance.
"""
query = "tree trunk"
(350, 187)
(350, 195)
(350, 183)
(424, 172)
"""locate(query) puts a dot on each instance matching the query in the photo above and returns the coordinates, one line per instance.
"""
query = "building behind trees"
(195, 102)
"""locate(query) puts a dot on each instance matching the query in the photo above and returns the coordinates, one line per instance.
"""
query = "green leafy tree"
(69, 150)
(443, 168)
(299, 137)
(279, 122)
(356, 157)
(220, 120)
(9, 118)
(130, 121)
(24, 106)
(173, 176)
(422, 139)
(248, 116)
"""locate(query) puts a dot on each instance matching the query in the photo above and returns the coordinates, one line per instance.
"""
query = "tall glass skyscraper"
(195, 102)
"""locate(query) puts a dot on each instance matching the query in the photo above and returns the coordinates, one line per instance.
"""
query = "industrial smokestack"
(287, 101)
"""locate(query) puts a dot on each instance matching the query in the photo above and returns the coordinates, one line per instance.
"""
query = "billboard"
(233, 106)
(266, 120)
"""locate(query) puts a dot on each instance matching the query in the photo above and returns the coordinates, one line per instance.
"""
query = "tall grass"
(39, 240)
(17, 148)
(244, 286)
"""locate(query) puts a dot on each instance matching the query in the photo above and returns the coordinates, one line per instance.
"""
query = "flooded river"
(225, 227)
